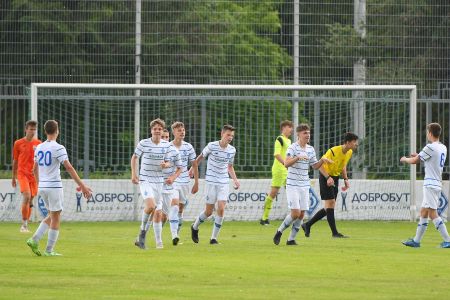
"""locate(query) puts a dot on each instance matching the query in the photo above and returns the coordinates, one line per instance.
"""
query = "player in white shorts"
(433, 156)
(171, 210)
(299, 157)
(218, 169)
(181, 185)
(48, 157)
(154, 154)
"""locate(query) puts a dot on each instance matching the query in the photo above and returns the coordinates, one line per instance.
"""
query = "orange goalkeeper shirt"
(23, 153)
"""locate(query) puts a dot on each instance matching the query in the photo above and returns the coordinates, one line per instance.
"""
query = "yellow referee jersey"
(339, 158)
(281, 145)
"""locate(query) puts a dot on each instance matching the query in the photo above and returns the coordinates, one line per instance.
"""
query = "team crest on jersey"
(185, 152)
(228, 155)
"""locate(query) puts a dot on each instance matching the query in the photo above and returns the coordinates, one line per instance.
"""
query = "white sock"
(216, 227)
(295, 228)
(180, 221)
(440, 226)
(144, 220)
(173, 219)
(148, 225)
(200, 219)
(421, 228)
(42, 229)
(25, 223)
(157, 228)
(286, 223)
(52, 238)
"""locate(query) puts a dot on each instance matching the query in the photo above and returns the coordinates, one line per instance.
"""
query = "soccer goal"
(101, 124)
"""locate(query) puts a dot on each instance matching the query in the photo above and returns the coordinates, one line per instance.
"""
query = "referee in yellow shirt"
(329, 182)
(279, 171)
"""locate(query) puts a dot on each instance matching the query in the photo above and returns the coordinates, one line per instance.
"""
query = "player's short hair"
(50, 127)
(31, 123)
(435, 129)
(157, 121)
(177, 125)
(303, 127)
(349, 137)
(228, 127)
(286, 123)
(165, 130)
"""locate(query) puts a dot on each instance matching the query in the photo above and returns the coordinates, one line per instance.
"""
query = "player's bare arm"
(321, 161)
(233, 176)
(412, 160)
(174, 176)
(14, 173)
(87, 192)
(134, 176)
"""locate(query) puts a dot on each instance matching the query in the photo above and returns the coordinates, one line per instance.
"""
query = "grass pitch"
(101, 262)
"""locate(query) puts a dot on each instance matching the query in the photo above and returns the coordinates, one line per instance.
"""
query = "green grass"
(101, 262)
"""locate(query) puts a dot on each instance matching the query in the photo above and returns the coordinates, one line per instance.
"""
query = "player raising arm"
(219, 166)
(433, 156)
(48, 157)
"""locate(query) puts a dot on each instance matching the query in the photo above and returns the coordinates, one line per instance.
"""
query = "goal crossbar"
(412, 89)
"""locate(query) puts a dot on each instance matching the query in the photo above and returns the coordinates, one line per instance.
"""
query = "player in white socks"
(433, 156)
(299, 157)
(155, 155)
(218, 169)
(48, 156)
(170, 194)
(181, 185)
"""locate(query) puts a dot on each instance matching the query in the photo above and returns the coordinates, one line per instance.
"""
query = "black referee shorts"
(328, 192)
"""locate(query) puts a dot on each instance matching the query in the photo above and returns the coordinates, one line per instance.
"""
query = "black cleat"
(213, 242)
(140, 240)
(291, 243)
(306, 229)
(340, 236)
(264, 222)
(277, 237)
(175, 241)
(194, 234)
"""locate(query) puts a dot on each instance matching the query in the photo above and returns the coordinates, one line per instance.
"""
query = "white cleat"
(159, 246)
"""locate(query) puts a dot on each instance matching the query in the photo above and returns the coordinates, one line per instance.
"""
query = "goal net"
(100, 125)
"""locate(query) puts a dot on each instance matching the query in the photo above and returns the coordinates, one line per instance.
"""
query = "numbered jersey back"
(433, 155)
(49, 155)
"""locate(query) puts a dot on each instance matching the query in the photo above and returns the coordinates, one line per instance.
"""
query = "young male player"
(48, 157)
(155, 155)
(329, 182)
(433, 156)
(299, 157)
(165, 209)
(22, 170)
(219, 166)
(181, 184)
(279, 171)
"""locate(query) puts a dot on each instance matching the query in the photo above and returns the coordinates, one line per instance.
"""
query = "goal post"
(176, 91)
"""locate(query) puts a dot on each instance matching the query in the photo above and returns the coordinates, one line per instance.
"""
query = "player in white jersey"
(299, 157)
(218, 169)
(181, 185)
(155, 155)
(433, 156)
(48, 157)
(165, 209)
